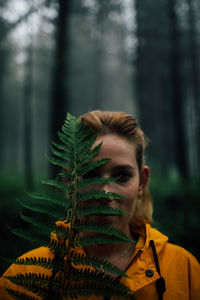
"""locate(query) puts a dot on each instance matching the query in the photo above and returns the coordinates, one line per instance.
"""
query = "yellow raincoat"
(155, 265)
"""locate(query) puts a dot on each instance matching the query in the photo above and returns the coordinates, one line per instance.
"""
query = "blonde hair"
(126, 126)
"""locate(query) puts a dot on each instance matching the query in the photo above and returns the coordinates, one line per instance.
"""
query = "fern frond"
(35, 261)
(46, 263)
(74, 154)
(62, 232)
(101, 228)
(65, 155)
(91, 166)
(56, 161)
(100, 209)
(89, 275)
(57, 246)
(87, 289)
(85, 146)
(19, 296)
(101, 194)
(61, 202)
(67, 141)
(38, 224)
(60, 146)
(52, 211)
(34, 237)
(97, 239)
(35, 283)
(57, 184)
(86, 158)
(95, 180)
(98, 263)
(66, 176)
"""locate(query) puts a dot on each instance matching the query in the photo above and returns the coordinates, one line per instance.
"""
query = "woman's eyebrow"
(124, 167)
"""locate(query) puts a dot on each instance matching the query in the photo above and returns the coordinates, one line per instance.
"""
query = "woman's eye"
(90, 174)
(124, 177)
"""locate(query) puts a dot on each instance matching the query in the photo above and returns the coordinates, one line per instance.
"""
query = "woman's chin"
(102, 218)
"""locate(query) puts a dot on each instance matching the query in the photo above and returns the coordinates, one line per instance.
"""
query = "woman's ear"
(144, 176)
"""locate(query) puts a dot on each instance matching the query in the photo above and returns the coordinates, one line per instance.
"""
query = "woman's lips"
(103, 217)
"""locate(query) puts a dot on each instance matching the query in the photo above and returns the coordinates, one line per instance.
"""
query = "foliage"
(72, 275)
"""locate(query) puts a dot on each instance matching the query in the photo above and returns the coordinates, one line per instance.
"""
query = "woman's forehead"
(116, 147)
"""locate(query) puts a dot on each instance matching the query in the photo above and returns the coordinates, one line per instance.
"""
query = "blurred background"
(138, 56)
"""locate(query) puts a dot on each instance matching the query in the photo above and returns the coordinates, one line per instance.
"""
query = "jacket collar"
(148, 233)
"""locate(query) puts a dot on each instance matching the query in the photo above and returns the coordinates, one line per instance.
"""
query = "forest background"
(137, 56)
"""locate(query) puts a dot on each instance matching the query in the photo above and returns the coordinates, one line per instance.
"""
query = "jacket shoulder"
(180, 253)
(16, 269)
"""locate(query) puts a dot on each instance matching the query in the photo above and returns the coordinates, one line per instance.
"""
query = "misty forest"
(138, 56)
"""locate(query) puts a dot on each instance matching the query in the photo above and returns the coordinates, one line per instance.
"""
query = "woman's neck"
(111, 251)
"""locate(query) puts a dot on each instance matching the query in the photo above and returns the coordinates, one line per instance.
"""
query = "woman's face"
(130, 185)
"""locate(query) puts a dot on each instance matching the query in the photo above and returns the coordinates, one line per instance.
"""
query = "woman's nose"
(107, 188)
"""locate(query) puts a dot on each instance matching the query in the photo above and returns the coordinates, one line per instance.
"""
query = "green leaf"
(56, 183)
(91, 154)
(73, 155)
(83, 196)
(95, 180)
(97, 239)
(91, 166)
(40, 239)
(40, 225)
(101, 228)
(19, 295)
(94, 209)
(46, 263)
(97, 262)
(52, 211)
(58, 162)
(61, 202)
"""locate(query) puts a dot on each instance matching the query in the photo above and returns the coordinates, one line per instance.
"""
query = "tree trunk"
(178, 104)
(59, 101)
(194, 75)
(28, 84)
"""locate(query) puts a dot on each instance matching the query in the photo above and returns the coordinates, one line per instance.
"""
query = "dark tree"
(27, 97)
(177, 97)
(59, 101)
(194, 74)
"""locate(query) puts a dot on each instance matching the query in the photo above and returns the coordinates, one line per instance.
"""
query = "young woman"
(156, 269)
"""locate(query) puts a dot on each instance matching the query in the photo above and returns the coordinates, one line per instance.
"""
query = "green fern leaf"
(52, 211)
(92, 165)
(95, 180)
(52, 199)
(60, 146)
(100, 209)
(96, 239)
(40, 225)
(101, 228)
(91, 154)
(57, 184)
(101, 194)
(46, 263)
(19, 296)
(88, 289)
(73, 155)
(89, 275)
(34, 237)
(98, 263)
(66, 156)
(85, 146)
(37, 284)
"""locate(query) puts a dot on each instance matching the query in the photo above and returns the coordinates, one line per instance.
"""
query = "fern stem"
(74, 187)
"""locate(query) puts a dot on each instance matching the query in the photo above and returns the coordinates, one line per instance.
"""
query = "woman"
(156, 269)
